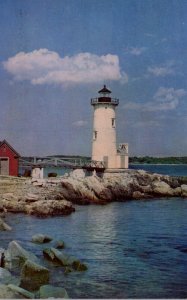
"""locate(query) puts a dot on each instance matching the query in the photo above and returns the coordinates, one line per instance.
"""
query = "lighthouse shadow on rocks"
(104, 146)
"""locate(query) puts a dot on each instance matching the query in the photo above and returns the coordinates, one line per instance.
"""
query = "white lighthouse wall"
(104, 134)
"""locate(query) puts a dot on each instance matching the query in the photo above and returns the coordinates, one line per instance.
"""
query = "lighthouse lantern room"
(104, 146)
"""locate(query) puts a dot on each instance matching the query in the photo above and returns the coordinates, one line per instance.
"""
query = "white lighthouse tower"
(104, 132)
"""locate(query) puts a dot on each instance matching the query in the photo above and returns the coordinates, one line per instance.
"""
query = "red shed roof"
(9, 146)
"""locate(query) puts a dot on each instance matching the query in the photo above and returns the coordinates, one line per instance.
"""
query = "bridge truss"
(63, 162)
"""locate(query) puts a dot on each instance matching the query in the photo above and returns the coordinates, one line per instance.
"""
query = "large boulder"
(14, 206)
(162, 188)
(78, 266)
(184, 190)
(33, 276)
(45, 208)
(49, 291)
(6, 277)
(86, 190)
(41, 238)
(57, 256)
(22, 292)
(7, 293)
(16, 255)
(64, 259)
(77, 173)
(72, 192)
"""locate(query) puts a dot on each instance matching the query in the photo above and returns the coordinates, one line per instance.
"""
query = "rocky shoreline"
(56, 196)
(22, 273)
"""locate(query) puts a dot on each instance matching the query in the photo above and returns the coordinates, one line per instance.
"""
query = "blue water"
(135, 249)
(176, 170)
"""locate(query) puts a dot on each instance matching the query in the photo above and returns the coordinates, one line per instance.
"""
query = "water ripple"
(136, 249)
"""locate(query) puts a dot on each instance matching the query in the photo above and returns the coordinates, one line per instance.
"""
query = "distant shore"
(167, 160)
(157, 164)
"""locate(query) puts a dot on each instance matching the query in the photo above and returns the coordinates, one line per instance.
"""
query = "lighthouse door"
(4, 166)
(105, 160)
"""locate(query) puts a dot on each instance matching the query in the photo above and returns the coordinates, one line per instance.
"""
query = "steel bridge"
(63, 162)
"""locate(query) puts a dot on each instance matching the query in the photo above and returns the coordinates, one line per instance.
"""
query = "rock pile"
(35, 197)
(131, 184)
(54, 196)
(31, 277)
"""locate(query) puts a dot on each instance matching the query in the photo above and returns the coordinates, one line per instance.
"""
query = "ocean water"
(173, 170)
(135, 249)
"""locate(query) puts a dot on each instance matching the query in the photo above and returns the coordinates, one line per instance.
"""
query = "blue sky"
(56, 54)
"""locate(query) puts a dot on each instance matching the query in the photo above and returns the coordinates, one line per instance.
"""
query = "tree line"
(158, 160)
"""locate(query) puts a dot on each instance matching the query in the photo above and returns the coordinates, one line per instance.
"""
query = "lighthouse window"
(95, 135)
(113, 122)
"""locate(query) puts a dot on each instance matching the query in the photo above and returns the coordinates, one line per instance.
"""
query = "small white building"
(104, 147)
(37, 173)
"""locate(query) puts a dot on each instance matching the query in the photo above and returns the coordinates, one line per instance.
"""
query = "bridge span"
(63, 162)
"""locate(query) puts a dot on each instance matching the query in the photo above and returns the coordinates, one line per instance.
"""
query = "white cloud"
(124, 78)
(80, 123)
(163, 70)
(163, 99)
(47, 67)
(166, 99)
(136, 50)
(149, 34)
(168, 94)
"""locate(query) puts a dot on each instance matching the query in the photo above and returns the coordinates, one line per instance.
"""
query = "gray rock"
(78, 266)
(18, 290)
(137, 195)
(58, 256)
(16, 255)
(45, 208)
(68, 270)
(49, 254)
(78, 173)
(6, 277)
(4, 226)
(64, 259)
(59, 245)
(7, 293)
(184, 190)
(41, 238)
(162, 188)
(177, 191)
(50, 291)
(33, 276)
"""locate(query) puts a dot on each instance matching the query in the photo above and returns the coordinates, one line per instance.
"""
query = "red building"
(9, 160)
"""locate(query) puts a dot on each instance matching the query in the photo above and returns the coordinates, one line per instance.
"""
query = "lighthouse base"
(119, 161)
(122, 161)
